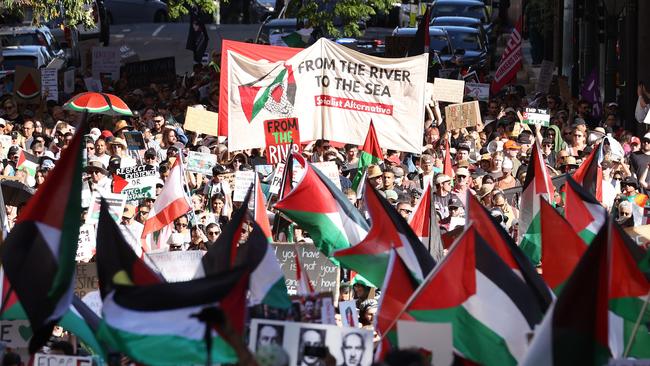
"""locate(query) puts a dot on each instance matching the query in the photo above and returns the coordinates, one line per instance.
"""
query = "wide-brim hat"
(96, 165)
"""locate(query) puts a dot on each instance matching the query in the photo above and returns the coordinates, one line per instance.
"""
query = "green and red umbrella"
(100, 103)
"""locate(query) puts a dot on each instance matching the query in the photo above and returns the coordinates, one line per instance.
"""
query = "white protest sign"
(199, 162)
(349, 346)
(116, 203)
(462, 115)
(15, 333)
(545, 77)
(479, 91)
(349, 313)
(177, 266)
(68, 81)
(434, 337)
(50, 83)
(5, 141)
(201, 121)
(94, 301)
(106, 60)
(243, 181)
(332, 91)
(331, 171)
(86, 243)
(448, 90)
(428, 93)
(136, 182)
(93, 85)
(647, 118)
(537, 116)
(41, 359)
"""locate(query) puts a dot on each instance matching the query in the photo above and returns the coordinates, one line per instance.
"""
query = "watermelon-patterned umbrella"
(100, 103)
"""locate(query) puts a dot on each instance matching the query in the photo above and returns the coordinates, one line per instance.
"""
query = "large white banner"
(333, 92)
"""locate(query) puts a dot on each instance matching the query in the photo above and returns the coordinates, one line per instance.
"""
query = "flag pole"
(636, 325)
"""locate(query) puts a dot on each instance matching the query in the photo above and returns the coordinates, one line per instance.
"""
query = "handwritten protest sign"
(201, 121)
(535, 116)
(479, 91)
(106, 61)
(15, 333)
(243, 181)
(294, 336)
(134, 140)
(448, 90)
(177, 266)
(281, 136)
(322, 273)
(433, 337)
(462, 115)
(116, 203)
(199, 162)
(331, 171)
(42, 359)
(136, 182)
(50, 83)
(87, 279)
(86, 243)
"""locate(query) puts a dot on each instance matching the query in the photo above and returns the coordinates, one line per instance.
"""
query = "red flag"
(510, 61)
(259, 210)
(424, 223)
(590, 174)
(448, 169)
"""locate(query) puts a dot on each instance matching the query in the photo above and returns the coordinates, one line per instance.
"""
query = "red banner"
(281, 136)
(510, 61)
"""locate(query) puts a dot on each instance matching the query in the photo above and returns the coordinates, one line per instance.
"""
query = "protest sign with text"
(176, 266)
(87, 279)
(243, 181)
(42, 359)
(448, 90)
(86, 243)
(480, 92)
(462, 115)
(136, 182)
(106, 61)
(50, 83)
(201, 121)
(134, 140)
(281, 136)
(536, 116)
(322, 273)
(333, 91)
(15, 333)
(116, 203)
(198, 162)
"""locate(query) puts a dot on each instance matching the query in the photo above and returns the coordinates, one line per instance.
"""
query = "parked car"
(28, 56)
(462, 22)
(441, 49)
(136, 11)
(464, 8)
(17, 36)
(469, 48)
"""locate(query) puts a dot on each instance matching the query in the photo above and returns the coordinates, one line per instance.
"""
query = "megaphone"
(495, 146)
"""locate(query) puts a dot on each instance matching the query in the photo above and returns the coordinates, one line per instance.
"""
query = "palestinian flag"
(117, 262)
(267, 282)
(321, 209)
(369, 154)
(537, 187)
(275, 92)
(590, 175)
(259, 210)
(39, 253)
(424, 222)
(629, 289)
(581, 209)
(157, 324)
(448, 168)
(504, 246)
(562, 248)
(575, 329)
(389, 231)
(28, 162)
(490, 309)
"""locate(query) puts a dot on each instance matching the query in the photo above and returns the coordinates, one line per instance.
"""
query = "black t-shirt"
(638, 162)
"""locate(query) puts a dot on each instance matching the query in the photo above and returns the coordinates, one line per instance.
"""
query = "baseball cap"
(454, 202)
(646, 136)
(511, 145)
(635, 140)
(129, 211)
(462, 171)
(442, 178)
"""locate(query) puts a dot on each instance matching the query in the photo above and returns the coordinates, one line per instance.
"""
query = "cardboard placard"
(86, 243)
(350, 346)
(545, 77)
(41, 359)
(87, 279)
(243, 181)
(134, 140)
(136, 182)
(5, 141)
(116, 203)
(50, 83)
(201, 121)
(177, 266)
(640, 234)
(479, 91)
(68, 81)
(27, 83)
(106, 60)
(322, 273)
(331, 171)
(282, 135)
(434, 337)
(535, 116)
(462, 115)
(201, 163)
(15, 333)
(157, 71)
(349, 313)
(448, 90)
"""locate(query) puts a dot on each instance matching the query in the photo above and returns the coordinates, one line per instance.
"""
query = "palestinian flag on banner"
(267, 282)
(424, 222)
(39, 253)
(369, 154)
(562, 248)
(117, 262)
(28, 162)
(575, 329)
(259, 210)
(275, 91)
(389, 231)
(321, 209)
(629, 289)
(490, 309)
(537, 187)
(581, 209)
(505, 247)
(157, 324)
(298, 39)
(590, 175)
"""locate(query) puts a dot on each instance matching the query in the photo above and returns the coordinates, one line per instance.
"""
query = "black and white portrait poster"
(350, 346)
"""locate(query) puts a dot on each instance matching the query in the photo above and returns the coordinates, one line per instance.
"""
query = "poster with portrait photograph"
(304, 341)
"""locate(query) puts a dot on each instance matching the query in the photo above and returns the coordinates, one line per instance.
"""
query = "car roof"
(458, 29)
(22, 29)
(456, 20)
(433, 31)
(22, 50)
(459, 2)
(282, 22)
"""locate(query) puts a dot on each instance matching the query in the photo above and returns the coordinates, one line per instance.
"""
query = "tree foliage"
(339, 17)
